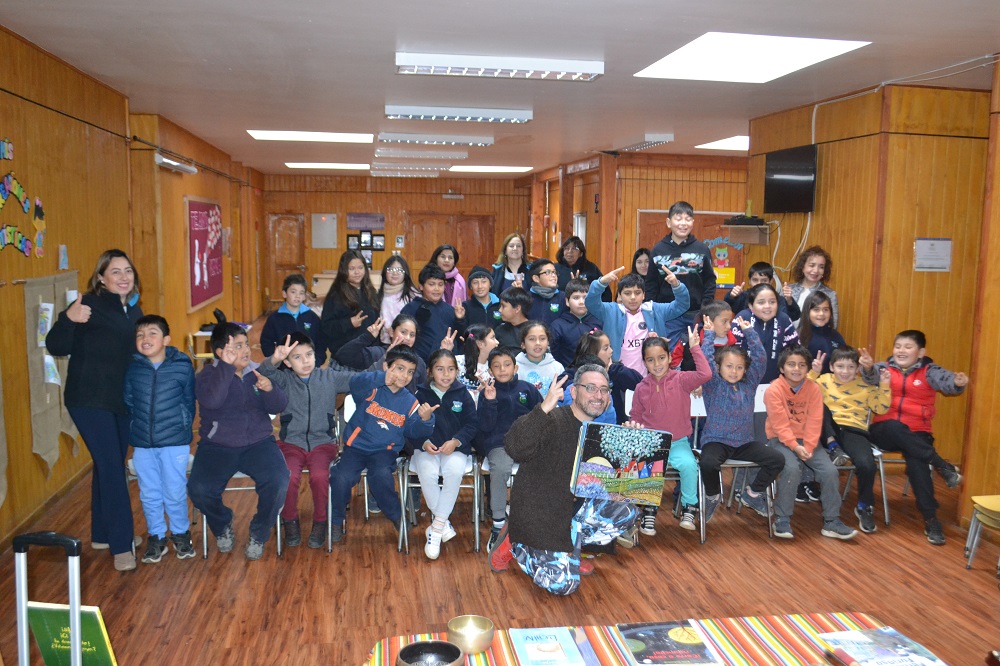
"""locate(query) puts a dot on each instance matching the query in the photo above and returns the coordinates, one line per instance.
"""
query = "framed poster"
(353, 241)
(378, 241)
(204, 251)
(366, 240)
(367, 255)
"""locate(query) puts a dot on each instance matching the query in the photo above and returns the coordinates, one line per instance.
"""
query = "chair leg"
(769, 496)
(329, 519)
(847, 486)
(364, 491)
(476, 508)
(976, 525)
(885, 496)
(701, 507)
(204, 538)
(277, 531)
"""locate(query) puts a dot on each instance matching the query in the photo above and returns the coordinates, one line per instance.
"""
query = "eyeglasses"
(548, 272)
(574, 248)
(591, 389)
(394, 269)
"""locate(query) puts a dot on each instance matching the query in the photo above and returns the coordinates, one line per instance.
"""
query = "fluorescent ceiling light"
(404, 153)
(459, 168)
(469, 115)
(445, 64)
(732, 143)
(435, 139)
(414, 166)
(322, 137)
(739, 58)
(650, 141)
(388, 173)
(326, 165)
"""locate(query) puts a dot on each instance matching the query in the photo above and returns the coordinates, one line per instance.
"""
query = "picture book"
(547, 646)
(675, 642)
(620, 464)
(876, 647)
(50, 625)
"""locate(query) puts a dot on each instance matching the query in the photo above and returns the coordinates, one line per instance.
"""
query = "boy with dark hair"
(514, 305)
(683, 255)
(794, 424)
(307, 437)
(293, 317)
(717, 316)
(915, 380)
(385, 415)
(483, 306)
(547, 301)
(236, 404)
(628, 323)
(762, 272)
(159, 395)
(435, 318)
(572, 323)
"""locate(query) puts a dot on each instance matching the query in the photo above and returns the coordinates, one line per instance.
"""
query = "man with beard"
(548, 525)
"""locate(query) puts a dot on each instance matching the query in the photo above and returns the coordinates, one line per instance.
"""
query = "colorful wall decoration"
(204, 218)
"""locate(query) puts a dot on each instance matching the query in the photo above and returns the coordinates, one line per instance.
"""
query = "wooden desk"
(773, 640)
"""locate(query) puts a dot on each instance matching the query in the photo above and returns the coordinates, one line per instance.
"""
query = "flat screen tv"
(790, 180)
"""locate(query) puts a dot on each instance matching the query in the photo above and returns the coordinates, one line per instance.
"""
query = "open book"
(620, 464)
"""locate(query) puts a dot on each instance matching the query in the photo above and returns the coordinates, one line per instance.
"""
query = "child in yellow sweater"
(794, 425)
(850, 401)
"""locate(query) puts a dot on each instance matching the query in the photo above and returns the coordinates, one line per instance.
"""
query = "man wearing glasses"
(548, 525)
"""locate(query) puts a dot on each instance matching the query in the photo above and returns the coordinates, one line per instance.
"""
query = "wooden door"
(472, 235)
(286, 249)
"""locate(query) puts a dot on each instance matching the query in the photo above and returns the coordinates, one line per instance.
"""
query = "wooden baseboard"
(7, 539)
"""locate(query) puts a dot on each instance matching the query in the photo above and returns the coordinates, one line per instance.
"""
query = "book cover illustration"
(547, 646)
(50, 626)
(620, 464)
(675, 642)
(878, 647)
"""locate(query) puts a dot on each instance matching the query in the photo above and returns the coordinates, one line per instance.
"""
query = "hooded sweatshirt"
(514, 399)
(665, 403)
(541, 374)
(794, 415)
(691, 262)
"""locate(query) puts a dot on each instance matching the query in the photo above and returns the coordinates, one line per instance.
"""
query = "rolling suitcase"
(72, 547)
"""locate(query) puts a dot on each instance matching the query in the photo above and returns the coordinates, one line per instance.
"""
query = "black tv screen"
(790, 180)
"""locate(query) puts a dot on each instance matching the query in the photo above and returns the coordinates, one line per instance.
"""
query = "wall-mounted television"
(790, 180)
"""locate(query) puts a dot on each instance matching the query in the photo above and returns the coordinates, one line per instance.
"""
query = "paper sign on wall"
(932, 255)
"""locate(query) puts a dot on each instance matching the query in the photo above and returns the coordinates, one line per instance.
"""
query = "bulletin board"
(204, 251)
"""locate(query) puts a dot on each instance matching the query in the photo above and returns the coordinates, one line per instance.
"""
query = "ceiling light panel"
(650, 141)
(327, 165)
(320, 137)
(460, 168)
(434, 139)
(389, 173)
(496, 67)
(468, 115)
(407, 154)
(414, 166)
(740, 58)
(732, 143)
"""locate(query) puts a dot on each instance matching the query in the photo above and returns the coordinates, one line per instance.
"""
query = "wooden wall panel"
(81, 175)
(393, 197)
(835, 120)
(938, 111)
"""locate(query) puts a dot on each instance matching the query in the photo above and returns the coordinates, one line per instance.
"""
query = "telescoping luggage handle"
(72, 547)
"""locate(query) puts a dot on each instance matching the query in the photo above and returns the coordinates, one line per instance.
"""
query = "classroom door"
(285, 249)
(472, 235)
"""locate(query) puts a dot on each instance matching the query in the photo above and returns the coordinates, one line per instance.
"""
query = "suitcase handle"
(71, 545)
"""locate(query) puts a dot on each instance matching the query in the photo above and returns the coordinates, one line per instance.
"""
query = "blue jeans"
(346, 474)
(162, 476)
(215, 465)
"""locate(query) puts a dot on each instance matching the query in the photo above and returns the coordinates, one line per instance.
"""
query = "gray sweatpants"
(500, 468)
(788, 481)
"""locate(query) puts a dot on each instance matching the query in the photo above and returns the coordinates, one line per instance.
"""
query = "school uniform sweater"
(825, 339)
(311, 416)
(513, 400)
(794, 415)
(541, 374)
(502, 279)
(546, 309)
(798, 290)
(383, 419)
(567, 329)
(665, 403)
(336, 319)
(234, 412)
(775, 335)
(433, 322)
(541, 504)
(478, 313)
(613, 319)
(914, 392)
(730, 407)
(281, 324)
(739, 302)
(456, 418)
(691, 262)
(160, 400)
(851, 403)
(509, 335)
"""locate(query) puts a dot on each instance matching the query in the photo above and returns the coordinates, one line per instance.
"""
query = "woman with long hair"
(511, 265)
(351, 304)
(397, 289)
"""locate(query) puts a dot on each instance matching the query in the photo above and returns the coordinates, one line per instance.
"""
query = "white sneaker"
(433, 548)
(446, 535)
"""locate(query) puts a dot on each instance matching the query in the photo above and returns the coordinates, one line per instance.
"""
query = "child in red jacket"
(906, 427)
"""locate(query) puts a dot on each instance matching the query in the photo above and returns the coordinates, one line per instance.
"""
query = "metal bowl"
(430, 653)
(472, 633)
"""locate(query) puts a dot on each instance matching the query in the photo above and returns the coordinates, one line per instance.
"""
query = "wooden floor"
(313, 608)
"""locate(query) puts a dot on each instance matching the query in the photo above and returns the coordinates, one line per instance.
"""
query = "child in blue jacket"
(159, 395)
(386, 414)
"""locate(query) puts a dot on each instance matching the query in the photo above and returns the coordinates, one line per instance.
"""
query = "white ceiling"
(220, 67)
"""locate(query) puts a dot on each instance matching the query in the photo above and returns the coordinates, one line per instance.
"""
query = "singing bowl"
(472, 633)
(430, 653)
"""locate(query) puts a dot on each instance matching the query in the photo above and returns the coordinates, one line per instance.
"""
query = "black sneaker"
(812, 491)
(712, 503)
(293, 532)
(336, 533)
(951, 476)
(183, 547)
(317, 536)
(800, 494)
(838, 456)
(866, 519)
(934, 532)
(688, 515)
(156, 548)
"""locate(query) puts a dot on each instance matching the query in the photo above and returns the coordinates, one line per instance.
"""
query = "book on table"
(546, 646)
(672, 642)
(876, 647)
(620, 464)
